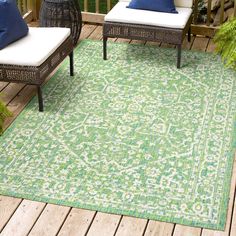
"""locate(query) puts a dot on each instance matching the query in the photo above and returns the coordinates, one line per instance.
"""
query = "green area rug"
(132, 135)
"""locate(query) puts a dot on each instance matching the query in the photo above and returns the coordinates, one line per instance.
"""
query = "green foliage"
(92, 4)
(4, 113)
(225, 40)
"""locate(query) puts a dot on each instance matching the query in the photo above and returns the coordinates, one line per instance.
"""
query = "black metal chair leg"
(178, 55)
(72, 63)
(104, 48)
(40, 98)
(189, 34)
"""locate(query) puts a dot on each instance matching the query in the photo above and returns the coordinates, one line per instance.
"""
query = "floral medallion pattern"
(132, 135)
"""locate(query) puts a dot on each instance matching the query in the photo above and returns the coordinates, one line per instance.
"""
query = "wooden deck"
(24, 217)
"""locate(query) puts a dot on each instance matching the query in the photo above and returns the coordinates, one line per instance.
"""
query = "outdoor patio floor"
(24, 217)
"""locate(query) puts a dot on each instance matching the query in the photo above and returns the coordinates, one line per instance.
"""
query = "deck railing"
(28, 9)
(93, 11)
(97, 4)
(205, 28)
(23, 6)
(209, 7)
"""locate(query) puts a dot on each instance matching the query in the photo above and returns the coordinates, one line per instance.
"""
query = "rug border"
(227, 181)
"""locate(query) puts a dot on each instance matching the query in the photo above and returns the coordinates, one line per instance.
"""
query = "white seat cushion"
(35, 48)
(120, 13)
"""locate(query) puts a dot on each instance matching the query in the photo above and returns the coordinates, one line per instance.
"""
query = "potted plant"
(4, 113)
(225, 40)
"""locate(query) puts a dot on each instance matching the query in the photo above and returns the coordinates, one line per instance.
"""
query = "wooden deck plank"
(120, 40)
(200, 44)
(96, 34)
(187, 45)
(207, 232)
(131, 226)
(50, 220)
(10, 92)
(233, 221)
(19, 102)
(8, 205)
(86, 31)
(211, 47)
(150, 43)
(141, 42)
(182, 230)
(3, 85)
(167, 45)
(104, 225)
(77, 223)
(155, 228)
(23, 219)
(112, 39)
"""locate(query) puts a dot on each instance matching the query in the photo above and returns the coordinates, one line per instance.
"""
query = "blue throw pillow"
(154, 5)
(12, 25)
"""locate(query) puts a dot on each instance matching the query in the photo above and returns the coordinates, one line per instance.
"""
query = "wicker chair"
(31, 59)
(123, 22)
